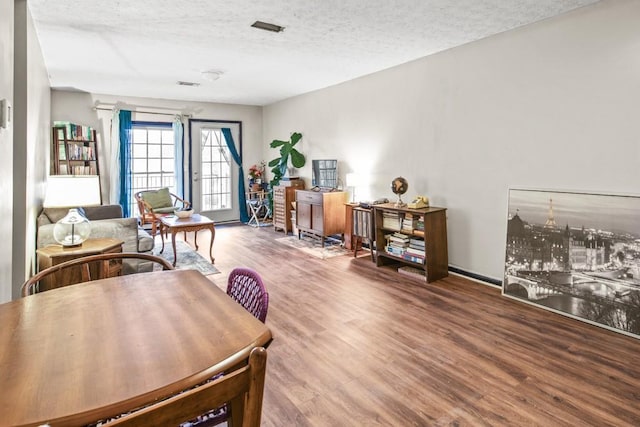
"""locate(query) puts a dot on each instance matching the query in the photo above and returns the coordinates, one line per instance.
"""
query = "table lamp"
(353, 180)
(70, 191)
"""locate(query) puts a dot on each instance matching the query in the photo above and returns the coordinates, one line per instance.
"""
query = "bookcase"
(74, 150)
(413, 239)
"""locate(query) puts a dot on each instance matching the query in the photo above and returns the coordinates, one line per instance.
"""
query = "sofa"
(105, 221)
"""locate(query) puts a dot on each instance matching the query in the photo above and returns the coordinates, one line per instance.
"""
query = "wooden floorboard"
(359, 345)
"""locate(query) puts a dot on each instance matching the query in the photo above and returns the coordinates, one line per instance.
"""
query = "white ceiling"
(144, 47)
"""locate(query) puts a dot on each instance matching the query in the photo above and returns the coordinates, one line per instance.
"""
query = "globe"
(399, 186)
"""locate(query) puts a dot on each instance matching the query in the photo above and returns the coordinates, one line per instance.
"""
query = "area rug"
(188, 258)
(311, 246)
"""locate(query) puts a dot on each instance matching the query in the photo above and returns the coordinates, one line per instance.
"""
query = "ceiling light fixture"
(181, 83)
(212, 75)
(267, 27)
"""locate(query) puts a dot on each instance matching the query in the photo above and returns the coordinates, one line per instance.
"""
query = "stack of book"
(419, 228)
(415, 251)
(397, 244)
(390, 220)
(409, 223)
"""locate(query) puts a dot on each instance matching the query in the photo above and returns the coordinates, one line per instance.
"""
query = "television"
(324, 173)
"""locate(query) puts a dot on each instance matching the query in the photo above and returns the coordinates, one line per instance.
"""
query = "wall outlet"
(5, 113)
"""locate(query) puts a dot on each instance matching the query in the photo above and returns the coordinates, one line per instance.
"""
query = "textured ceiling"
(144, 47)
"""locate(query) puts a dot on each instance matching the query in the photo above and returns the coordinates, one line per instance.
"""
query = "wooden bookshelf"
(74, 150)
(398, 229)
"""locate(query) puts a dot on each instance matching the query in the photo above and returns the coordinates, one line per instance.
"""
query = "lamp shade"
(72, 191)
(353, 179)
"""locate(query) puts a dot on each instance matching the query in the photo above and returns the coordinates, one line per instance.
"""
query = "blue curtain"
(179, 155)
(244, 216)
(125, 162)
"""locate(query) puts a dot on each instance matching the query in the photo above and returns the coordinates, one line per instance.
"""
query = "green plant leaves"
(274, 162)
(279, 165)
(277, 143)
(295, 137)
(297, 159)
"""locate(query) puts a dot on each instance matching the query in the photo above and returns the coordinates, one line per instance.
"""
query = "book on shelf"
(409, 271)
(417, 243)
(74, 131)
(415, 251)
(399, 237)
(393, 250)
(413, 258)
(391, 220)
(409, 222)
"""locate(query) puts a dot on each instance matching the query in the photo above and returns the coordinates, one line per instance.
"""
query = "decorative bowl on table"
(184, 213)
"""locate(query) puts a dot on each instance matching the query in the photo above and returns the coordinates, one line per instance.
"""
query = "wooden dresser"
(283, 196)
(320, 213)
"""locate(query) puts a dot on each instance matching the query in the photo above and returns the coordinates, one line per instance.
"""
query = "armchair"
(153, 204)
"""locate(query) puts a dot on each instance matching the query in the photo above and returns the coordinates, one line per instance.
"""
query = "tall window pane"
(153, 165)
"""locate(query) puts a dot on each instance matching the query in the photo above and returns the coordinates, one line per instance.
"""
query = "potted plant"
(256, 172)
(287, 151)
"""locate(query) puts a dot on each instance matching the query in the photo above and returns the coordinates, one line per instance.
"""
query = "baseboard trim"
(476, 277)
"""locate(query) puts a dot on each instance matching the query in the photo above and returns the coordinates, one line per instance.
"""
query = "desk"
(194, 223)
(74, 355)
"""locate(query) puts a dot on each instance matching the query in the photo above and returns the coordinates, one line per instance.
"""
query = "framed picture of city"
(577, 254)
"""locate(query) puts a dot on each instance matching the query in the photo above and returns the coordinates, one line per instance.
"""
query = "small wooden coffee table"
(194, 223)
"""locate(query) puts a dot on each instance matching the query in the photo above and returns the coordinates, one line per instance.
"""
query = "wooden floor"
(357, 345)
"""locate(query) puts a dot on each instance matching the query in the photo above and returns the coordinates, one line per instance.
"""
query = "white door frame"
(192, 167)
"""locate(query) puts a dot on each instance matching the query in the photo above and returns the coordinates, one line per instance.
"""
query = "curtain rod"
(145, 112)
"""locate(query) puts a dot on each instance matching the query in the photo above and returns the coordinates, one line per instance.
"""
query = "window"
(215, 161)
(152, 158)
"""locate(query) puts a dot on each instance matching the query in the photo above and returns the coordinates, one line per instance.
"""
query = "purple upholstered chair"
(245, 286)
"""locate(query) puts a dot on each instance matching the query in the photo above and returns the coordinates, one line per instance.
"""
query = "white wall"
(552, 105)
(31, 136)
(77, 107)
(6, 147)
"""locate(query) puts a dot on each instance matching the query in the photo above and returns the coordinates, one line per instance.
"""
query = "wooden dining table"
(90, 351)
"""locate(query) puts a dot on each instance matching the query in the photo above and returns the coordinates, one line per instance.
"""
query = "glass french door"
(214, 174)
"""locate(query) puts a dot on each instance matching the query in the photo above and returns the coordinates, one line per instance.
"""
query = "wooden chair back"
(30, 287)
(244, 388)
(148, 216)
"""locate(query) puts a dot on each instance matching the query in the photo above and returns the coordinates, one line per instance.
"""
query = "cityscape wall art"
(577, 254)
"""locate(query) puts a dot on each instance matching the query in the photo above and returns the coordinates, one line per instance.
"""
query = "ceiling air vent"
(267, 27)
(180, 83)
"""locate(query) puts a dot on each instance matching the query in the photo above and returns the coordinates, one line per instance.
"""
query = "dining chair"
(109, 264)
(153, 204)
(245, 286)
(243, 388)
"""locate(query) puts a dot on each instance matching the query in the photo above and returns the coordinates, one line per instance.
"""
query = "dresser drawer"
(278, 193)
(313, 197)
